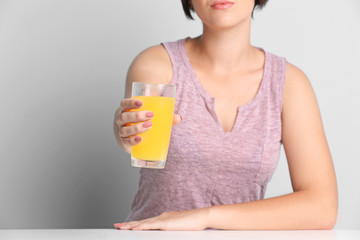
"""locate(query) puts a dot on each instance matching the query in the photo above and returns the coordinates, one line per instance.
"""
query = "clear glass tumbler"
(152, 151)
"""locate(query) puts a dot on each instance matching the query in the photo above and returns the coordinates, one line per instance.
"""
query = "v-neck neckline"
(210, 101)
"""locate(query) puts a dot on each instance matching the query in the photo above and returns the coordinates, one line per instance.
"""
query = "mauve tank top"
(205, 165)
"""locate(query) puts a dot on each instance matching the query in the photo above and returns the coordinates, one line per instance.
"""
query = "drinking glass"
(152, 151)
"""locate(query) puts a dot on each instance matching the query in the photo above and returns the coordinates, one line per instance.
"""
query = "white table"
(90, 234)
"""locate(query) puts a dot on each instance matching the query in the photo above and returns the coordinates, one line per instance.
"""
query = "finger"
(153, 223)
(135, 117)
(118, 225)
(130, 103)
(135, 129)
(125, 225)
(117, 117)
(139, 227)
(131, 141)
(130, 225)
(176, 119)
(147, 226)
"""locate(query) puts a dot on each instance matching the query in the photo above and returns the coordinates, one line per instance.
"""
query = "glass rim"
(154, 84)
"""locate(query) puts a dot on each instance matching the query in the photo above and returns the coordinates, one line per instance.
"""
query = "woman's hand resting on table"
(126, 134)
(189, 220)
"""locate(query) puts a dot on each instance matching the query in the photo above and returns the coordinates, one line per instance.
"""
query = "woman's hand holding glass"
(128, 124)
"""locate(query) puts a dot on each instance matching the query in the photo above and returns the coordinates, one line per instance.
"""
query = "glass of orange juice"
(151, 152)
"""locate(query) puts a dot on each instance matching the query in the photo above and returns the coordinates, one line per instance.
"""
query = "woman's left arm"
(313, 203)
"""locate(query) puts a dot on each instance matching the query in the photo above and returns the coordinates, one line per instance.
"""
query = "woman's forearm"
(298, 210)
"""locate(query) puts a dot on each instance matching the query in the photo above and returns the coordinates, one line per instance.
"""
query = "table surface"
(89, 234)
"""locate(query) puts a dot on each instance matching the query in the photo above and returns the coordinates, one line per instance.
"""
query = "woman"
(235, 105)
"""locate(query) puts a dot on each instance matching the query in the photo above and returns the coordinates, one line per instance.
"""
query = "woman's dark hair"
(187, 8)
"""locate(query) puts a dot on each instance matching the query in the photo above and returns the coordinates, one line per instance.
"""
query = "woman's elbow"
(328, 214)
(330, 221)
(328, 224)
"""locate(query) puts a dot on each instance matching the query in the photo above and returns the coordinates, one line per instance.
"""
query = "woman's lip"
(221, 4)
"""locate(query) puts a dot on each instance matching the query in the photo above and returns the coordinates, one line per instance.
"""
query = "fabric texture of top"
(205, 165)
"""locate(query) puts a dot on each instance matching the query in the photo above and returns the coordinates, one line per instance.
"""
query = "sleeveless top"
(205, 165)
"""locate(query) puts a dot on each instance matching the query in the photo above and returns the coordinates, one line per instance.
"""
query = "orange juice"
(155, 142)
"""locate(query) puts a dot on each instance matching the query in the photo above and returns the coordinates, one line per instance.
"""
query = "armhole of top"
(281, 90)
(169, 50)
(282, 84)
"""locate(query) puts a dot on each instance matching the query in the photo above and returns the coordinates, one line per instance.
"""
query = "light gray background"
(62, 70)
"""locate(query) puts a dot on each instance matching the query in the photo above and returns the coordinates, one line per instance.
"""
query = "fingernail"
(149, 114)
(147, 124)
(138, 103)
(137, 139)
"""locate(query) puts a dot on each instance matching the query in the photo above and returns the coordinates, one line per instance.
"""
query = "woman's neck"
(226, 48)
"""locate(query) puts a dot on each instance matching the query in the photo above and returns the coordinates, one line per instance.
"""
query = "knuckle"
(132, 141)
(126, 141)
(137, 128)
(138, 115)
(123, 132)
(122, 117)
(123, 102)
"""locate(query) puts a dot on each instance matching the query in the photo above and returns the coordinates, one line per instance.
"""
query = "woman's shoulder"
(298, 91)
(295, 77)
(154, 53)
(152, 65)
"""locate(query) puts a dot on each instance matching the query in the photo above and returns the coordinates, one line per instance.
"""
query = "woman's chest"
(229, 93)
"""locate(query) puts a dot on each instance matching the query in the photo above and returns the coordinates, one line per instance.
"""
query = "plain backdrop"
(62, 72)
